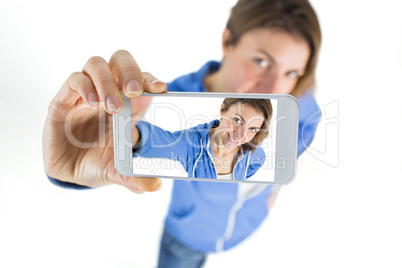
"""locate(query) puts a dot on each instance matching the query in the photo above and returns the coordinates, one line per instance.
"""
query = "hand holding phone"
(77, 136)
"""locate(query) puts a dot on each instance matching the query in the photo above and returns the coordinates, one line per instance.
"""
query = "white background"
(344, 213)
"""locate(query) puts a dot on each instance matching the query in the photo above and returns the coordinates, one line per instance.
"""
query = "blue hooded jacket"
(191, 147)
(215, 216)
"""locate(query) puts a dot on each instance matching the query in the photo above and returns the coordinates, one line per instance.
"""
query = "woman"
(269, 46)
(222, 149)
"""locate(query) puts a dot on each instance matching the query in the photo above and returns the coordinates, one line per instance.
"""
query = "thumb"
(138, 185)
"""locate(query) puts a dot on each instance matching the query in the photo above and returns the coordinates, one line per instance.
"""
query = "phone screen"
(207, 137)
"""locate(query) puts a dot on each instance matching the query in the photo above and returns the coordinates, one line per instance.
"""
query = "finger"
(84, 86)
(135, 184)
(152, 84)
(127, 73)
(78, 86)
(148, 184)
(141, 184)
(97, 69)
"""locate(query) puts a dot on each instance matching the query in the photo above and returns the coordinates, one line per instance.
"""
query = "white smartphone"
(250, 138)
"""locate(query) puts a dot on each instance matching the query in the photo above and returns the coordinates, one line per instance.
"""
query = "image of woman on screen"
(227, 149)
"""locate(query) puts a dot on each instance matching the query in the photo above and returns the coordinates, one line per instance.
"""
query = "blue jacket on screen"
(191, 147)
(215, 216)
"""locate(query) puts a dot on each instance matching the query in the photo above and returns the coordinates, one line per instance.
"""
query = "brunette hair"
(261, 105)
(295, 17)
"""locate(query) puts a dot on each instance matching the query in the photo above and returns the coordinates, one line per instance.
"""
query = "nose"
(273, 83)
(239, 133)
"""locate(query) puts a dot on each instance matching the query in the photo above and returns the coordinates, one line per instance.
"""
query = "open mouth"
(232, 140)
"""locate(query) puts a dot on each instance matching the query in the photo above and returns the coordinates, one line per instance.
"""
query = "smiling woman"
(269, 46)
(221, 147)
(247, 123)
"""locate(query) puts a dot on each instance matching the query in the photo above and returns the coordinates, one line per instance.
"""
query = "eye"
(292, 75)
(237, 120)
(253, 130)
(263, 63)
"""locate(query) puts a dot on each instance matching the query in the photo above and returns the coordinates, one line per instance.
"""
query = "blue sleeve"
(67, 185)
(256, 161)
(309, 117)
(159, 143)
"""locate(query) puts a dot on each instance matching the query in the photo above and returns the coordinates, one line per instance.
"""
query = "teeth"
(232, 139)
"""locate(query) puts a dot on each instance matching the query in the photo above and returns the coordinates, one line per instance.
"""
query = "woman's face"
(264, 61)
(239, 124)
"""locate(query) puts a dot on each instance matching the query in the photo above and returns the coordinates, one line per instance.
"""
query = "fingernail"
(158, 87)
(113, 103)
(93, 99)
(157, 81)
(133, 87)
